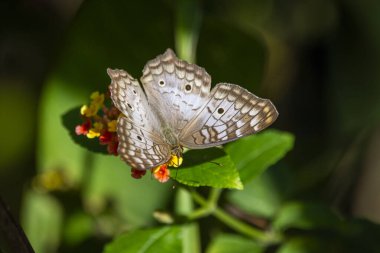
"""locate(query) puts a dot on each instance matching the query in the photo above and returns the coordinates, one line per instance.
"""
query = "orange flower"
(162, 173)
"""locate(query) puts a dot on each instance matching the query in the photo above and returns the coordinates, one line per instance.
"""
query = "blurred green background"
(317, 60)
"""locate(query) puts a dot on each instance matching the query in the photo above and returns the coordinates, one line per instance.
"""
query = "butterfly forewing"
(128, 96)
(176, 90)
(230, 113)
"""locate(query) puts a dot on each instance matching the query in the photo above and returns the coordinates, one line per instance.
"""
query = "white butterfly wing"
(231, 112)
(177, 90)
(140, 148)
(140, 143)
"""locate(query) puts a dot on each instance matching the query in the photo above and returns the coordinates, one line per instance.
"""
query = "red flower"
(84, 128)
(105, 138)
(137, 173)
(112, 147)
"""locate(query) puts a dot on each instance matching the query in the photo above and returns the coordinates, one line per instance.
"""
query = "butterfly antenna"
(151, 174)
(176, 173)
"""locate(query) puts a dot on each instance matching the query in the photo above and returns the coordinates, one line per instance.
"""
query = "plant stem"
(188, 22)
(188, 18)
(232, 222)
(190, 232)
(209, 205)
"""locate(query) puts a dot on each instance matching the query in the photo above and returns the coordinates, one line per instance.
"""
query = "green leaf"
(229, 243)
(42, 220)
(184, 206)
(70, 120)
(307, 245)
(208, 167)
(306, 216)
(55, 148)
(78, 227)
(254, 154)
(161, 240)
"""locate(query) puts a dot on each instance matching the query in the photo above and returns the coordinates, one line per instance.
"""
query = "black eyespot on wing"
(188, 87)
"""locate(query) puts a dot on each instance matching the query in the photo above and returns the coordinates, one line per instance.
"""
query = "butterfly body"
(169, 136)
(177, 109)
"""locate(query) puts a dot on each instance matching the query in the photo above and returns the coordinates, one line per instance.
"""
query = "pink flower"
(84, 128)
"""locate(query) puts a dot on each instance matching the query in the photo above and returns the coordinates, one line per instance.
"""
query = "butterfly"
(175, 108)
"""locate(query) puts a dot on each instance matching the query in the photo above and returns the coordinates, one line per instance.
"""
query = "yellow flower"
(83, 109)
(89, 111)
(95, 131)
(92, 134)
(112, 126)
(97, 99)
(175, 161)
(51, 180)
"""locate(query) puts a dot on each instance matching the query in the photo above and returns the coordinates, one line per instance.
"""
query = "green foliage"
(260, 151)
(210, 167)
(230, 243)
(164, 239)
(42, 219)
(70, 120)
(78, 228)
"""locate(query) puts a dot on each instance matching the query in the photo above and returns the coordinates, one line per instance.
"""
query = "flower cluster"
(161, 173)
(99, 121)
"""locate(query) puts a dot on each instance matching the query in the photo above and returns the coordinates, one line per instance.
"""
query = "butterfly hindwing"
(139, 148)
(230, 113)
(140, 143)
